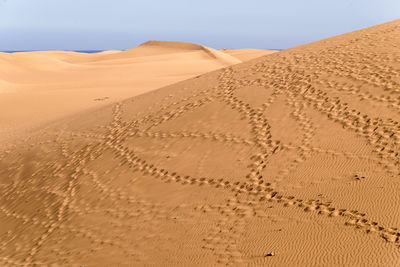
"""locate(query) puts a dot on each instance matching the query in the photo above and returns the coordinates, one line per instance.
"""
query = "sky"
(123, 24)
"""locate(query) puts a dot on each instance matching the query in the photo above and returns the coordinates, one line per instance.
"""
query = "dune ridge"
(288, 159)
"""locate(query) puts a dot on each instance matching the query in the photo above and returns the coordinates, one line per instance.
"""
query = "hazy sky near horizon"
(123, 24)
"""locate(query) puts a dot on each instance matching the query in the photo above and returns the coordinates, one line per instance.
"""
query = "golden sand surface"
(289, 159)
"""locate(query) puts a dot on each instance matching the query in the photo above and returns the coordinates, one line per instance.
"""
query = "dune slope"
(289, 159)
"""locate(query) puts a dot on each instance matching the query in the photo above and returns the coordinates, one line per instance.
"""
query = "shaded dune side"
(295, 155)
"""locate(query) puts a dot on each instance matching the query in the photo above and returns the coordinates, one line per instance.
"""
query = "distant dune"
(39, 87)
(289, 159)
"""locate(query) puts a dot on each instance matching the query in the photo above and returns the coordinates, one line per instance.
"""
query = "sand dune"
(291, 159)
(54, 84)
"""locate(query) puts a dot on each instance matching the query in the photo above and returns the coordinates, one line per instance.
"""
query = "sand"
(247, 54)
(50, 85)
(289, 159)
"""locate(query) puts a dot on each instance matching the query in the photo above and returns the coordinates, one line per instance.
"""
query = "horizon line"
(97, 50)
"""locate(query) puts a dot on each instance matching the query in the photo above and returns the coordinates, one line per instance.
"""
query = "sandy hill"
(39, 87)
(291, 159)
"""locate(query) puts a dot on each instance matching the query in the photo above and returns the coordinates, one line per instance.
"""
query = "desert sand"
(247, 54)
(40, 87)
(289, 159)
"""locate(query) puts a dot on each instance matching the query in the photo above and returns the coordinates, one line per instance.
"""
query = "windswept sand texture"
(293, 155)
(39, 87)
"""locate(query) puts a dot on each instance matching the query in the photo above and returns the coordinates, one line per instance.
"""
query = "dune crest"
(172, 44)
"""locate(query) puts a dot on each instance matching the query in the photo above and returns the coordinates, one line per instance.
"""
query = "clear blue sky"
(122, 24)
